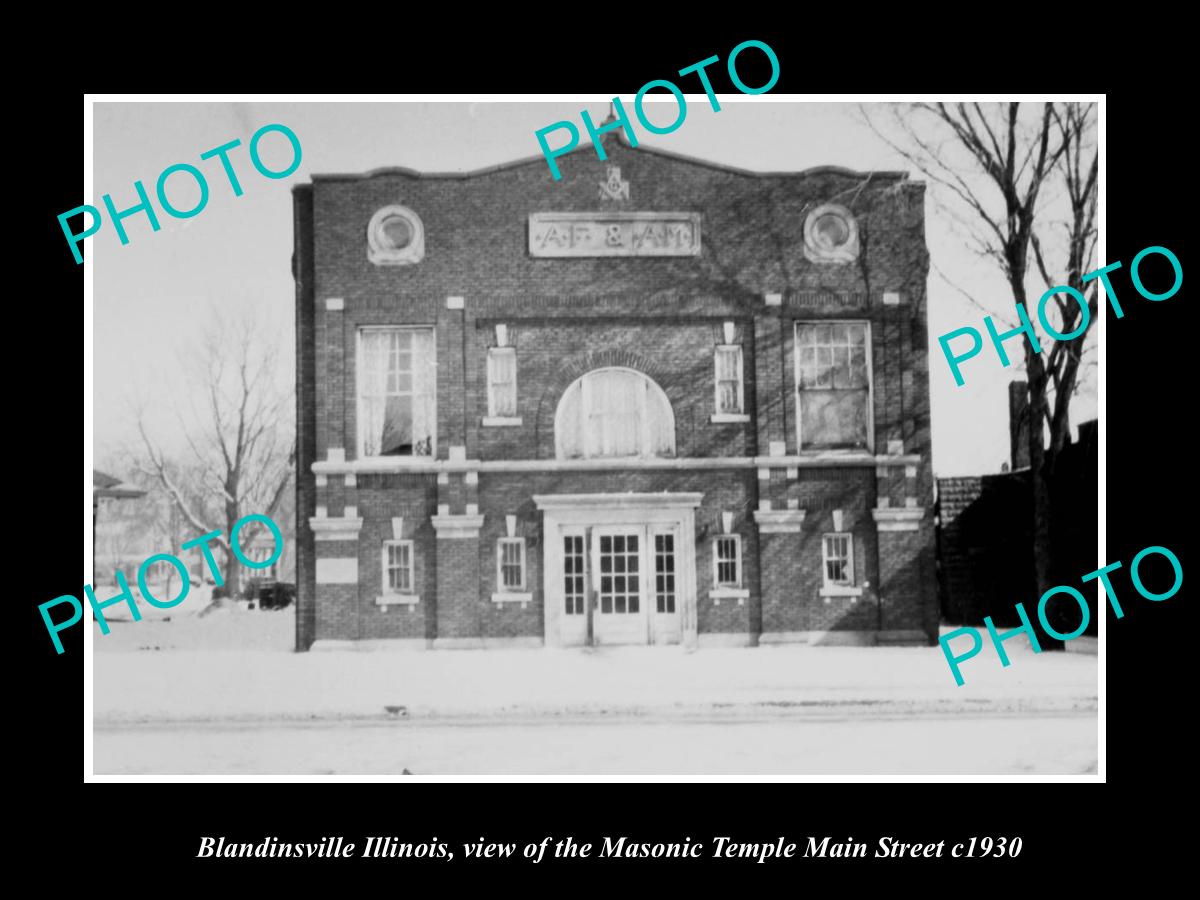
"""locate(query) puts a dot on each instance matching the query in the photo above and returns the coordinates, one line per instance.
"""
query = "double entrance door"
(620, 584)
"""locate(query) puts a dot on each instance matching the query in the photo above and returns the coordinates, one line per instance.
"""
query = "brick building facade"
(658, 401)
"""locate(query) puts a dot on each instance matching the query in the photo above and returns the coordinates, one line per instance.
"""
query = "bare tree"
(240, 441)
(996, 165)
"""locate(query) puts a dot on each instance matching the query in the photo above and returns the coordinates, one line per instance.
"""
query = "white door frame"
(559, 510)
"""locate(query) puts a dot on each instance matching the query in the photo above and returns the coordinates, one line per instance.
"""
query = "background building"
(985, 527)
(657, 401)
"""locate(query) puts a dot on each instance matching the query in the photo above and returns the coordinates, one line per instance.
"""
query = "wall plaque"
(614, 234)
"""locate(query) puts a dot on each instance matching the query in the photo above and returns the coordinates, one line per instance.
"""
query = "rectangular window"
(502, 382)
(833, 385)
(727, 560)
(510, 559)
(838, 551)
(573, 573)
(664, 572)
(728, 360)
(397, 567)
(397, 392)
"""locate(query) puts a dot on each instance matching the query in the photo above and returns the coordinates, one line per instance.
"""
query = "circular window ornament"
(830, 234)
(395, 237)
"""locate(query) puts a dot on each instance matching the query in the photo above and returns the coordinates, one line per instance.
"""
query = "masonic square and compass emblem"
(615, 188)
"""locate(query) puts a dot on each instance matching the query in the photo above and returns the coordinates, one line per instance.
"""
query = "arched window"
(614, 412)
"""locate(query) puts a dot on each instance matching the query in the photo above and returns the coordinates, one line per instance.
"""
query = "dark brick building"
(985, 527)
(657, 401)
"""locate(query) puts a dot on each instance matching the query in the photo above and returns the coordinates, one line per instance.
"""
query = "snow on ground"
(185, 629)
(237, 666)
(198, 597)
(949, 746)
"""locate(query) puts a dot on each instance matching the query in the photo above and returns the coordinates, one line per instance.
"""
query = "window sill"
(512, 597)
(501, 421)
(728, 418)
(837, 451)
(399, 459)
(729, 593)
(840, 590)
(397, 600)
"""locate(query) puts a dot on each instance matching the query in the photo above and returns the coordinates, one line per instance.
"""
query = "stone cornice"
(615, 501)
(457, 526)
(779, 521)
(401, 465)
(900, 518)
(340, 529)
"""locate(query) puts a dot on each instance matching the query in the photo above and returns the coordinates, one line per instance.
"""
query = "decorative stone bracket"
(899, 518)
(779, 521)
(466, 526)
(344, 529)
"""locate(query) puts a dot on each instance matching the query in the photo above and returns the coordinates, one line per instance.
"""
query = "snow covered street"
(224, 694)
(611, 745)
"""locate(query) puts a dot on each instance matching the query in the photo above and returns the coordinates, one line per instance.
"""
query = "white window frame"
(851, 589)
(360, 419)
(796, 392)
(718, 413)
(501, 587)
(385, 589)
(827, 557)
(737, 561)
(492, 354)
(590, 450)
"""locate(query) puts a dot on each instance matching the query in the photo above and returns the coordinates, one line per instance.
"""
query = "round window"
(395, 236)
(396, 233)
(830, 234)
(831, 231)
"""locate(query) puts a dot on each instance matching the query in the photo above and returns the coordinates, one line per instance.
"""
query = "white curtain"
(614, 412)
(373, 385)
(399, 391)
(424, 367)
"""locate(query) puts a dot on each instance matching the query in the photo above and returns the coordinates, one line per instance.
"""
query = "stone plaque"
(614, 234)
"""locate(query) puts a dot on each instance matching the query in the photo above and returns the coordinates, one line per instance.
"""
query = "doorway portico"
(620, 568)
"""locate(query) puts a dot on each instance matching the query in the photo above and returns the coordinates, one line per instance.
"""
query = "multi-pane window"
(398, 567)
(573, 574)
(728, 361)
(614, 412)
(838, 554)
(833, 384)
(397, 390)
(727, 560)
(620, 578)
(502, 382)
(664, 572)
(510, 558)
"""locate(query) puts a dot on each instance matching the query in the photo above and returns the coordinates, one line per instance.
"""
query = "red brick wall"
(661, 316)
(459, 568)
(905, 576)
(306, 416)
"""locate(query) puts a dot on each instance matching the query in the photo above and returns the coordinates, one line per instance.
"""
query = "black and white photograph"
(536, 438)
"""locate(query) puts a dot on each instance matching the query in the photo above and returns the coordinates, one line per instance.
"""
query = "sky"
(154, 295)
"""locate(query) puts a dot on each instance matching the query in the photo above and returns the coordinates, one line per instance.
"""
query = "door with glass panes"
(619, 585)
(623, 578)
